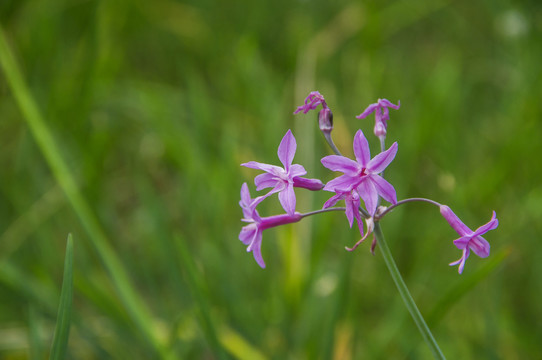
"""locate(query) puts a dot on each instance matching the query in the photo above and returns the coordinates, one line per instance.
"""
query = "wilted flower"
(325, 116)
(311, 102)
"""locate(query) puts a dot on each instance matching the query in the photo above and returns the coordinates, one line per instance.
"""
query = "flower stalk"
(405, 294)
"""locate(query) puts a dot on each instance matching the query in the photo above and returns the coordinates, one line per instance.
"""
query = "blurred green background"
(152, 106)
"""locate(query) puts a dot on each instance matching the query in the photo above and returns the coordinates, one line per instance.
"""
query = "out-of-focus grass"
(153, 106)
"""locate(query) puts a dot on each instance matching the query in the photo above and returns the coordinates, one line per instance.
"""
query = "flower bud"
(325, 120)
(380, 129)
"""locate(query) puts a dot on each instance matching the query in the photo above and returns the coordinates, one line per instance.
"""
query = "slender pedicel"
(404, 201)
(405, 295)
(316, 212)
(331, 144)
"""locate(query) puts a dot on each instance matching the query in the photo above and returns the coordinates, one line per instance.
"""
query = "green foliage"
(124, 123)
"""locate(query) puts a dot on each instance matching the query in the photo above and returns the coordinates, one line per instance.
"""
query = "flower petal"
(343, 183)
(462, 242)
(310, 184)
(245, 195)
(286, 150)
(350, 210)
(382, 160)
(368, 193)
(256, 248)
(248, 233)
(384, 188)
(367, 111)
(361, 149)
(287, 199)
(341, 163)
(454, 221)
(265, 167)
(333, 200)
(296, 170)
(265, 180)
(491, 225)
(279, 187)
(461, 260)
(360, 223)
(387, 103)
(480, 246)
(248, 205)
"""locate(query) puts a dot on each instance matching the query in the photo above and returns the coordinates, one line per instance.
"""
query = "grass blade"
(62, 331)
(198, 292)
(44, 139)
(34, 340)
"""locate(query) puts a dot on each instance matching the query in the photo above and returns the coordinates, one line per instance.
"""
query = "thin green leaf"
(62, 331)
(34, 341)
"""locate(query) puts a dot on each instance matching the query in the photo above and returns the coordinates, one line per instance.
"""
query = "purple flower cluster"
(361, 179)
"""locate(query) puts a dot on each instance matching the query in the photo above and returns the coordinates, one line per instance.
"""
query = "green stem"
(327, 136)
(405, 294)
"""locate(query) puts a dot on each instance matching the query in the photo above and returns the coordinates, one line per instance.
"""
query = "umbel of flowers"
(361, 186)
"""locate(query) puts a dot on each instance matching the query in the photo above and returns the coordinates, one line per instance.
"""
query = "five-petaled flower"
(251, 234)
(283, 180)
(362, 175)
(469, 240)
(382, 115)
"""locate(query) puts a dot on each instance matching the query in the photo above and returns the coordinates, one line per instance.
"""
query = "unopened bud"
(325, 120)
(380, 129)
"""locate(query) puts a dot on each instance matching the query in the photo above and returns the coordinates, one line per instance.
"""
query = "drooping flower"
(283, 180)
(362, 175)
(311, 103)
(352, 202)
(469, 240)
(325, 116)
(382, 115)
(251, 234)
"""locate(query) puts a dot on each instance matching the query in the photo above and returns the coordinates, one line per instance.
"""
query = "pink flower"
(251, 234)
(382, 115)
(283, 180)
(469, 240)
(362, 175)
